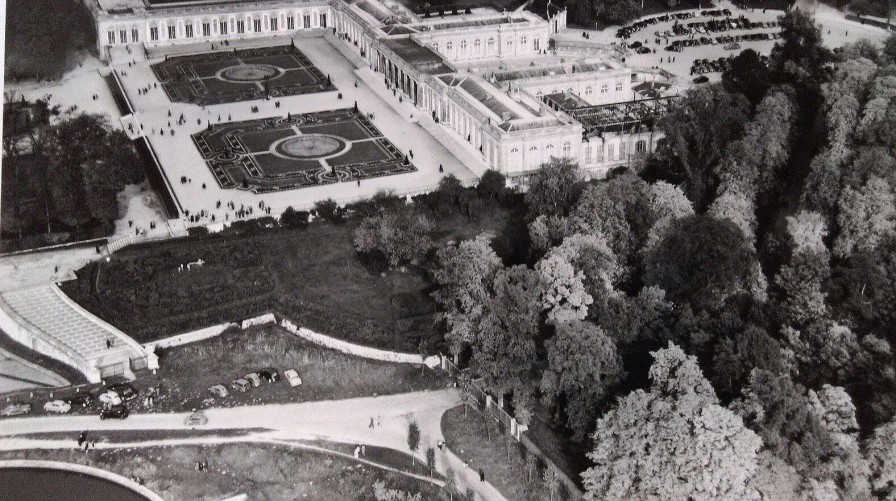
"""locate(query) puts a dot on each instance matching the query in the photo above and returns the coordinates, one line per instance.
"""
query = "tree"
(800, 53)
(413, 439)
(492, 184)
(563, 293)
(748, 75)
(867, 215)
(464, 274)
(672, 442)
(597, 213)
(551, 480)
(807, 231)
(447, 195)
(889, 51)
(736, 356)
(553, 188)
(292, 218)
(630, 320)
(504, 351)
(583, 366)
(800, 286)
(399, 236)
(737, 206)
(668, 203)
(698, 130)
(701, 261)
(450, 486)
(592, 256)
(881, 454)
(431, 460)
(329, 210)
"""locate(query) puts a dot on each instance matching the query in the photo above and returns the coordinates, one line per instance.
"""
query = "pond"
(44, 484)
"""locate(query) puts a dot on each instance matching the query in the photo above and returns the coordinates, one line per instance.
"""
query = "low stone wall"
(84, 470)
(17, 329)
(267, 318)
(351, 348)
(189, 337)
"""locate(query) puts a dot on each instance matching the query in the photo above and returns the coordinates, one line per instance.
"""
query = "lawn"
(262, 471)
(502, 459)
(312, 276)
(186, 372)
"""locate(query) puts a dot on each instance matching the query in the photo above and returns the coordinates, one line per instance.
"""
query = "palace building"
(495, 80)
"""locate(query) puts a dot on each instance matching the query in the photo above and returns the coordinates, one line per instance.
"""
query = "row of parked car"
(702, 66)
(627, 31)
(112, 399)
(254, 380)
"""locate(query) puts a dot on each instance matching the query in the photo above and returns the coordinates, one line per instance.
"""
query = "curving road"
(346, 421)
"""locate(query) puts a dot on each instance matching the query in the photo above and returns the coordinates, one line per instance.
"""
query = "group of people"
(84, 442)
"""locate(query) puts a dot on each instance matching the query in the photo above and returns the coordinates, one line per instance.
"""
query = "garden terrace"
(298, 151)
(240, 75)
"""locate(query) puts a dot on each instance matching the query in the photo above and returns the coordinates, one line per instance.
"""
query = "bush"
(330, 211)
(292, 218)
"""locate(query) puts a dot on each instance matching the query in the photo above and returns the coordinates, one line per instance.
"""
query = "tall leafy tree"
(698, 132)
(672, 442)
(553, 188)
(583, 366)
(867, 216)
(464, 274)
(563, 294)
(701, 261)
(505, 347)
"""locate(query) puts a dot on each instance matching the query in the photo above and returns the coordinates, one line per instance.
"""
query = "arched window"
(604, 88)
(534, 148)
(491, 45)
(618, 86)
(509, 43)
(569, 90)
(555, 91)
(514, 150)
(477, 44)
(463, 45)
(539, 94)
(435, 46)
(549, 147)
(641, 146)
(449, 46)
(523, 40)
(567, 148)
(589, 91)
(588, 154)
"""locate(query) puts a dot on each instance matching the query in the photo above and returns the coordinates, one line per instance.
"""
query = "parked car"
(79, 400)
(253, 378)
(197, 418)
(124, 390)
(732, 46)
(57, 406)
(642, 50)
(701, 79)
(269, 374)
(110, 398)
(16, 409)
(219, 390)
(241, 385)
(119, 411)
(292, 377)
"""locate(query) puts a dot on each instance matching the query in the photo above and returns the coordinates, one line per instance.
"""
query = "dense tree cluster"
(84, 164)
(757, 267)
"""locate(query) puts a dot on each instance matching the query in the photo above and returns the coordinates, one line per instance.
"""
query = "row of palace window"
(224, 28)
(640, 150)
(490, 45)
(588, 90)
(567, 148)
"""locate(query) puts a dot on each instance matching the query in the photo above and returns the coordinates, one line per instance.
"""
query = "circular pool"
(41, 483)
(309, 146)
(250, 73)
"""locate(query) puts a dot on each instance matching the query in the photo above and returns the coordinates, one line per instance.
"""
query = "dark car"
(269, 374)
(124, 390)
(701, 79)
(115, 412)
(80, 400)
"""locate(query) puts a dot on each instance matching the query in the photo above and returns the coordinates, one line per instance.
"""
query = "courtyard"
(299, 151)
(240, 75)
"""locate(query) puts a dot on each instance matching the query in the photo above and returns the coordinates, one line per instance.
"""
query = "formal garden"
(299, 151)
(241, 75)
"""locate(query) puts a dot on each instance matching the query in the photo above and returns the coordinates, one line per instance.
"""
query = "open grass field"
(312, 276)
(261, 471)
(298, 151)
(241, 75)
